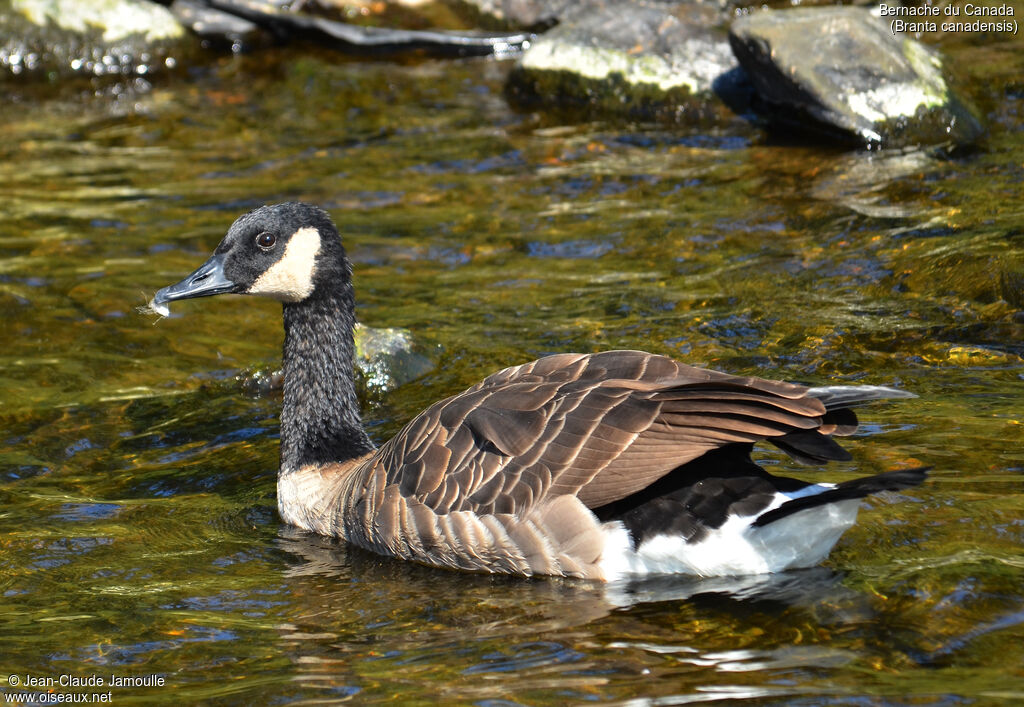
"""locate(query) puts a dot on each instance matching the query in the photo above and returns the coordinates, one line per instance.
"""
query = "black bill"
(208, 279)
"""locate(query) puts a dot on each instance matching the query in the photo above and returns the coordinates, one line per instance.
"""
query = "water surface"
(139, 530)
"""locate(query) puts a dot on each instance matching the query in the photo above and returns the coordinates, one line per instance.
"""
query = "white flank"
(802, 539)
(290, 279)
(305, 498)
(295, 491)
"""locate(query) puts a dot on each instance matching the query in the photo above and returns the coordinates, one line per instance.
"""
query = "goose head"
(292, 253)
(286, 252)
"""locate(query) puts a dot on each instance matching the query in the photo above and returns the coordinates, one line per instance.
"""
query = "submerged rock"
(53, 39)
(646, 60)
(859, 181)
(387, 358)
(840, 72)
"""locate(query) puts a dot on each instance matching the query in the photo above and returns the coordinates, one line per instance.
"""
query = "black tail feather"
(816, 446)
(810, 447)
(856, 488)
(839, 422)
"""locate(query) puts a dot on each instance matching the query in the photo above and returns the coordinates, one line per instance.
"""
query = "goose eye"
(266, 240)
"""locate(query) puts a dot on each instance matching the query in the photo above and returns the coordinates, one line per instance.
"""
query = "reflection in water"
(860, 180)
(798, 588)
(574, 602)
(417, 614)
(554, 603)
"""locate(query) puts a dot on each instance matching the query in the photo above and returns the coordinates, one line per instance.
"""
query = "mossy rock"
(839, 72)
(56, 39)
(646, 61)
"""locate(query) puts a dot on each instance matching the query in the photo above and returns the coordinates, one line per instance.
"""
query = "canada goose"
(585, 465)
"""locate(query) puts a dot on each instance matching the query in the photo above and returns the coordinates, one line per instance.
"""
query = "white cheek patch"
(290, 279)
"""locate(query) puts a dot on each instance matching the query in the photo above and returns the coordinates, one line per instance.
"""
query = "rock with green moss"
(53, 39)
(644, 60)
(839, 72)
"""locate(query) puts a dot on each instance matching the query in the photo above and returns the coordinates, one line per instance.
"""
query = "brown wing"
(600, 426)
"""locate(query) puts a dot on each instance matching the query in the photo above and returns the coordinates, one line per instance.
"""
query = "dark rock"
(838, 71)
(54, 39)
(216, 27)
(354, 39)
(519, 14)
(538, 15)
(645, 60)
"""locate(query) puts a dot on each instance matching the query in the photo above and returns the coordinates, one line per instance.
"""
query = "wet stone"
(53, 39)
(216, 27)
(839, 72)
(387, 358)
(520, 14)
(645, 60)
(288, 24)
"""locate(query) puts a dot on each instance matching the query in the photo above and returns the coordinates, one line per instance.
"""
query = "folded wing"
(600, 427)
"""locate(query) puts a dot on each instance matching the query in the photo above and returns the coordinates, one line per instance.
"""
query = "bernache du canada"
(917, 17)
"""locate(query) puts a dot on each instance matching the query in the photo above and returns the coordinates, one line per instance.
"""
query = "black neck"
(320, 421)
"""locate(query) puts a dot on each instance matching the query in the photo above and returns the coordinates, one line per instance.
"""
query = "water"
(139, 531)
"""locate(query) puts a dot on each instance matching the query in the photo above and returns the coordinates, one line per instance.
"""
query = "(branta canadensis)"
(598, 466)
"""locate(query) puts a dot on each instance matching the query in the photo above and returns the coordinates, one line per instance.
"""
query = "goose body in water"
(600, 466)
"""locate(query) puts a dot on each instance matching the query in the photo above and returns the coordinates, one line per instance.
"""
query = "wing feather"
(599, 426)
